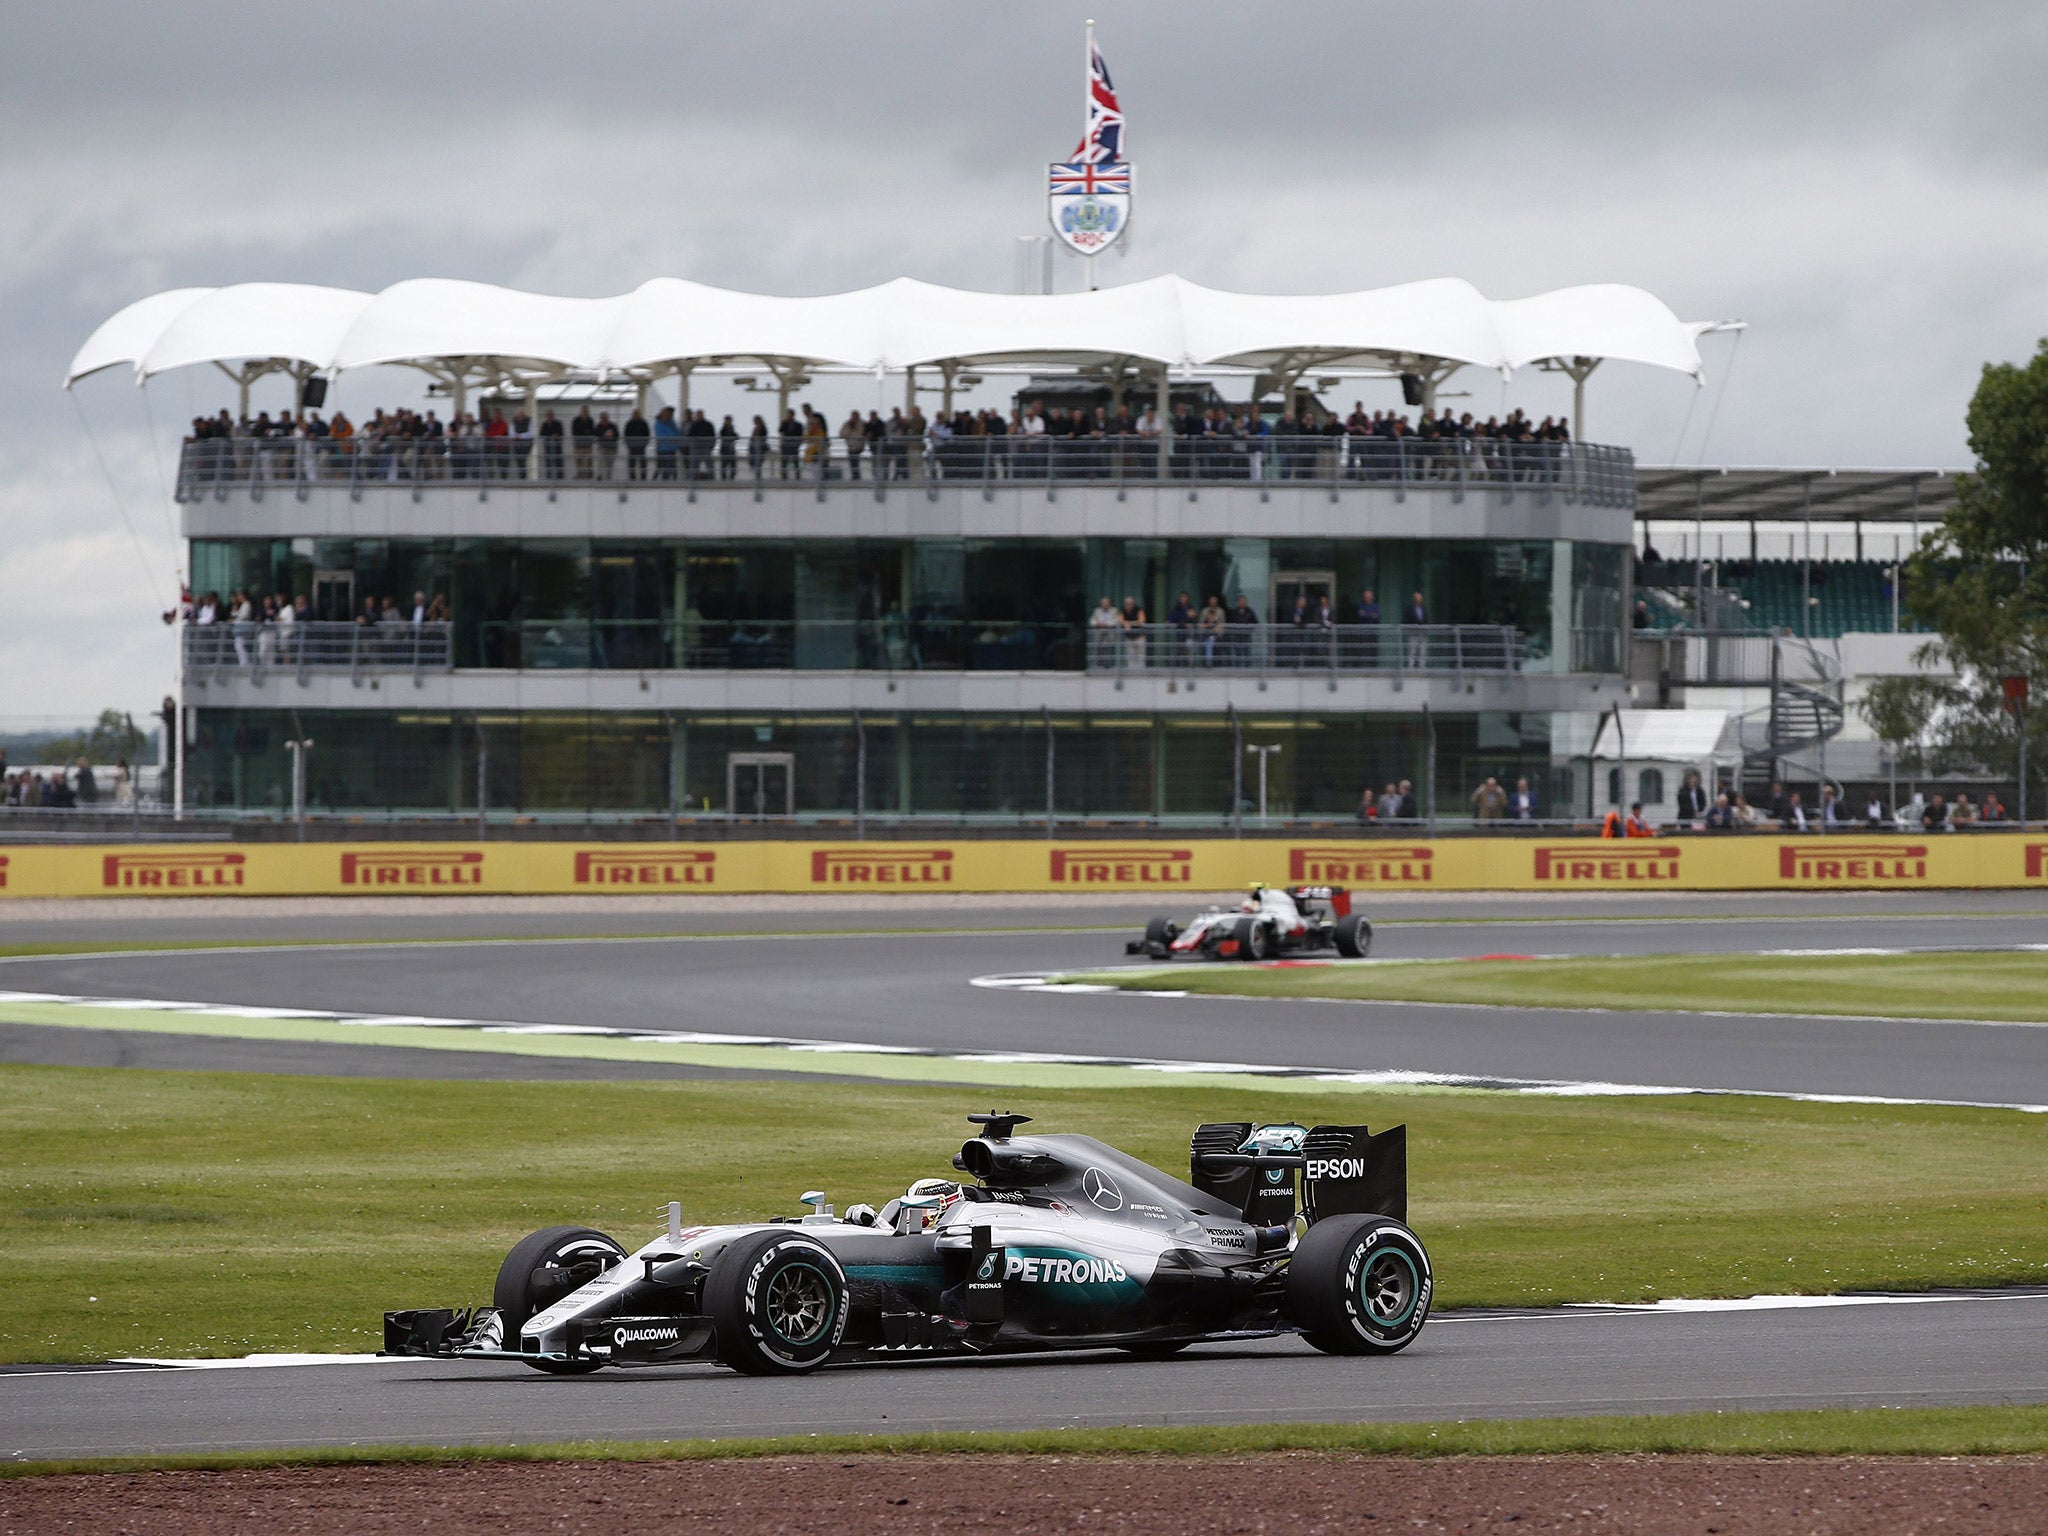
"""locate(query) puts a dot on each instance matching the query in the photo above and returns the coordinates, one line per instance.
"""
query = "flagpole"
(1088, 122)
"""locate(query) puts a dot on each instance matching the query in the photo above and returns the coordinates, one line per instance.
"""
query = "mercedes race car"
(1292, 920)
(1049, 1242)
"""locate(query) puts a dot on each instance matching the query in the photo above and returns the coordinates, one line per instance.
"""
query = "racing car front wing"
(476, 1333)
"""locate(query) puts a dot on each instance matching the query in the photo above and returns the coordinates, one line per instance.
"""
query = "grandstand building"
(911, 627)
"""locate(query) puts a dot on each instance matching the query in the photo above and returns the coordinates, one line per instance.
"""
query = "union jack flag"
(1104, 140)
(1076, 180)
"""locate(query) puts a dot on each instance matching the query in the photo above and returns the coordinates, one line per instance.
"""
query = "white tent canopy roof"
(669, 322)
(1664, 735)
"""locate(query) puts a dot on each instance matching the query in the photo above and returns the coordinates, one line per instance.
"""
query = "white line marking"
(262, 1362)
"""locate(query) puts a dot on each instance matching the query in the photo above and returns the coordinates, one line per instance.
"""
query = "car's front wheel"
(1254, 939)
(540, 1270)
(1159, 936)
(777, 1301)
(1359, 1285)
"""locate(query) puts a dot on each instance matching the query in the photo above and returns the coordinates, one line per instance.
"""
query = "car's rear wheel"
(1359, 1285)
(777, 1301)
(1353, 936)
(1159, 936)
(540, 1270)
(1254, 940)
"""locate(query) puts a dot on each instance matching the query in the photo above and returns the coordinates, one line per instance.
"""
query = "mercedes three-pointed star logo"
(1101, 1190)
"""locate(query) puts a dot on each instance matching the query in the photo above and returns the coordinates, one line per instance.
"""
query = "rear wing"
(1338, 897)
(1344, 1169)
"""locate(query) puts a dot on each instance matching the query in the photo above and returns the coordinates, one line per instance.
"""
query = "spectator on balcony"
(1416, 616)
(1242, 627)
(636, 433)
(1721, 814)
(1210, 625)
(703, 445)
(1132, 621)
(757, 447)
(728, 450)
(607, 436)
(817, 443)
(1410, 809)
(1934, 816)
(1642, 615)
(1795, 818)
(1104, 627)
(583, 441)
(1964, 815)
(497, 443)
(875, 433)
(1994, 808)
(550, 446)
(437, 610)
(522, 446)
(789, 441)
(1489, 800)
(244, 621)
(668, 442)
(1181, 619)
(1874, 815)
(287, 622)
(88, 786)
(1521, 804)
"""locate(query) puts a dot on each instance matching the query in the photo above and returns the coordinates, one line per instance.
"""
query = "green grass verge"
(2002, 1431)
(147, 1213)
(2001, 987)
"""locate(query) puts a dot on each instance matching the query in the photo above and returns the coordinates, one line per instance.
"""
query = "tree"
(1902, 712)
(1980, 580)
(112, 737)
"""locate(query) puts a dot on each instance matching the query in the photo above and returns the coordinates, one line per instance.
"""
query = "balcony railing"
(1595, 473)
(218, 651)
(302, 649)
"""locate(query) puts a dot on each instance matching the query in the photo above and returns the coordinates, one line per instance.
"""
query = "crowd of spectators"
(63, 789)
(251, 628)
(1032, 442)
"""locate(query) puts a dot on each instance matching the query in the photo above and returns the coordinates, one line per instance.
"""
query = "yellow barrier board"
(1729, 863)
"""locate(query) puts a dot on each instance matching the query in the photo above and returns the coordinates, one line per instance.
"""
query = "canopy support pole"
(1164, 409)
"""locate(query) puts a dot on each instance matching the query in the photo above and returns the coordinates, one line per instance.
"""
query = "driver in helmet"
(946, 1192)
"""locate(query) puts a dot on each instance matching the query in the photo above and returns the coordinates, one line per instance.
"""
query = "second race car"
(1270, 922)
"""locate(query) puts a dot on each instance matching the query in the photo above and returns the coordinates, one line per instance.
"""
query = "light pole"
(299, 747)
(1264, 753)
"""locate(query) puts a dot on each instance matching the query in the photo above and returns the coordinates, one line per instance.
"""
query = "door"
(760, 784)
(334, 596)
(1292, 647)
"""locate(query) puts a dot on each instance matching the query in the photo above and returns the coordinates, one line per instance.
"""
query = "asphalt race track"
(786, 973)
(910, 989)
(1990, 1350)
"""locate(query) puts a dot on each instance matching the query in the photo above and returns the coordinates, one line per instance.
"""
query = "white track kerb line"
(796, 1055)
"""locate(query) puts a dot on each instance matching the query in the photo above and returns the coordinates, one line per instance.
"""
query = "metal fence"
(892, 644)
(360, 650)
(1599, 474)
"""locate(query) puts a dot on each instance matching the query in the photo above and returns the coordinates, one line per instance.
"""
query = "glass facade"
(976, 767)
(997, 604)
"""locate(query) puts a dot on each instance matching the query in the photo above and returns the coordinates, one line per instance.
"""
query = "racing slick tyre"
(1254, 942)
(1353, 936)
(1359, 1285)
(777, 1301)
(1159, 936)
(539, 1271)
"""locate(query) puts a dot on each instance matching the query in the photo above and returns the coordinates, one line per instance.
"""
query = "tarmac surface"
(1992, 1349)
(775, 968)
(905, 983)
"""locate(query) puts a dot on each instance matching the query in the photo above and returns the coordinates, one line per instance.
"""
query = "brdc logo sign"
(1123, 866)
(172, 871)
(407, 867)
(882, 866)
(1608, 864)
(1832, 863)
(632, 866)
(2037, 861)
(1366, 864)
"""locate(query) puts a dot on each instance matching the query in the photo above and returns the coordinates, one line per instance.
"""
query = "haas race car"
(1047, 1242)
(1292, 920)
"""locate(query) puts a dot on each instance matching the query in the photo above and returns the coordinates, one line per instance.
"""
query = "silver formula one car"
(1050, 1242)
(1268, 923)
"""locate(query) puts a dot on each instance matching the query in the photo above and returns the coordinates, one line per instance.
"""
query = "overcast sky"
(1861, 182)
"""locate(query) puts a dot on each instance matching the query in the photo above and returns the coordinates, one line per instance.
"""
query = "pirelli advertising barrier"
(1987, 860)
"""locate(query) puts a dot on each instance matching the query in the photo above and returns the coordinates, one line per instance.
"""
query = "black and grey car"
(1049, 1242)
